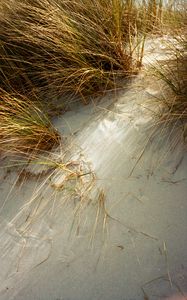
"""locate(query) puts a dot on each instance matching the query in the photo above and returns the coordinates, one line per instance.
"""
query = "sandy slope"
(136, 251)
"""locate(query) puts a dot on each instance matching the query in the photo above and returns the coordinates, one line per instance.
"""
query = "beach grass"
(79, 47)
(173, 75)
(24, 128)
(82, 48)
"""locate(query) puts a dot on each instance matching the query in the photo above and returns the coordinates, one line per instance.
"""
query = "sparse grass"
(174, 17)
(173, 74)
(80, 47)
(24, 129)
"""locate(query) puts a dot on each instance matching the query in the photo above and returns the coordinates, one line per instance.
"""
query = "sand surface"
(118, 231)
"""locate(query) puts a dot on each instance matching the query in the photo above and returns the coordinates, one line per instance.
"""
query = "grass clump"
(173, 74)
(24, 129)
(80, 47)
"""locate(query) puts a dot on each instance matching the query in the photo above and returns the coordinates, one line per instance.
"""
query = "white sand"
(142, 246)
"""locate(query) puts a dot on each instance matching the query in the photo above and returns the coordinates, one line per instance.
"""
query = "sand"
(117, 232)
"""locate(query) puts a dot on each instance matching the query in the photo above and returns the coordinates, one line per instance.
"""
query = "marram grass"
(80, 46)
(63, 47)
(24, 129)
(173, 75)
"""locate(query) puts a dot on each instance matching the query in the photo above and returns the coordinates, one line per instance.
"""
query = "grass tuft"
(173, 74)
(24, 129)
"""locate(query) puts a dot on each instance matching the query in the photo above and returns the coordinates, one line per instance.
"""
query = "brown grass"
(24, 129)
(173, 74)
(80, 47)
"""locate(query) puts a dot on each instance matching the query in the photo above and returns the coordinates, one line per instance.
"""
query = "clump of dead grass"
(173, 75)
(80, 47)
(171, 118)
(24, 129)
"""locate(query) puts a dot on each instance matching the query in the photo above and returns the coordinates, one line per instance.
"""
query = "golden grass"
(173, 74)
(24, 129)
(80, 47)
(174, 17)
